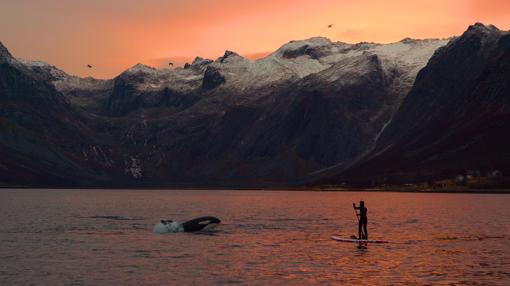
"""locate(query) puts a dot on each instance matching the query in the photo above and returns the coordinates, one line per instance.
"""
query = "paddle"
(357, 216)
(355, 211)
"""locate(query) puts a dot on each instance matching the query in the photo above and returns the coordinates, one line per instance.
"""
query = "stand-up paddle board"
(342, 239)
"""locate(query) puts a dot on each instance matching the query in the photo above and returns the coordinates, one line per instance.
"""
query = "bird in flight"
(171, 64)
(89, 66)
(330, 26)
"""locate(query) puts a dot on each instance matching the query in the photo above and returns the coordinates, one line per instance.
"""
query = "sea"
(105, 237)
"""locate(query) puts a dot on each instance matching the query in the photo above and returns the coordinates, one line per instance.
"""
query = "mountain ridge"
(305, 112)
(454, 119)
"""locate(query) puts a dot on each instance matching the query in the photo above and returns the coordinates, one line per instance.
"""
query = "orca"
(201, 223)
(197, 224)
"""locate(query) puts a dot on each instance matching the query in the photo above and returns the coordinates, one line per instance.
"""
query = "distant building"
(460, 180)
(495, 174)
(472, 174)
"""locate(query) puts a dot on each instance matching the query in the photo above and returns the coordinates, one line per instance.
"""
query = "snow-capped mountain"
(455, 118)
(312, 108)
(233, 74)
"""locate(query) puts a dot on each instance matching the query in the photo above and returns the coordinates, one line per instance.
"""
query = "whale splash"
(172, 227)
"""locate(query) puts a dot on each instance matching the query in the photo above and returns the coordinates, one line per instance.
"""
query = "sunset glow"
(114, 35)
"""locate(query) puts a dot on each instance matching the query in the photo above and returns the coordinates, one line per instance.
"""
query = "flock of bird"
(172, 64)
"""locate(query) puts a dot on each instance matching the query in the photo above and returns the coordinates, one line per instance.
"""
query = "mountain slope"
(42, 137)
(310, 105)
(266, 124)
(455, 118)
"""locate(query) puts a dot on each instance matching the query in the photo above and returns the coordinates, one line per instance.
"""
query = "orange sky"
(113, 35)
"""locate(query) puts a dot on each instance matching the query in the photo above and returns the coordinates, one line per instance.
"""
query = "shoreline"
(425, 191)
(298, 189)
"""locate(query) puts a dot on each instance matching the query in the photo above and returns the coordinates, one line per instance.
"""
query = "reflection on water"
(103, 237)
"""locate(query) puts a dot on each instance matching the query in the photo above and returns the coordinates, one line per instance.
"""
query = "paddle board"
(342, 239)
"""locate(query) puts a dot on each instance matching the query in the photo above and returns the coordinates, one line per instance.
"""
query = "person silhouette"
(362, 220)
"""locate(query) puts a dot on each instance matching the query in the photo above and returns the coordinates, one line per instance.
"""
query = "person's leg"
(365, 229)
(360, 225)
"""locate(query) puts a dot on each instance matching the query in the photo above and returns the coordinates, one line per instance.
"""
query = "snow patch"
(33, 63)
(381, 131)
(141, 68)
(133, 168)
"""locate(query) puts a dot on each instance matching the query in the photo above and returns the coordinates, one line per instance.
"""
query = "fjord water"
(104, 237)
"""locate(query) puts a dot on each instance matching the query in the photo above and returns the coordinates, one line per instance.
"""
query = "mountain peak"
(480, 33)
(4, 53)
(198, 61)
(314, 48)
(407, 40)
(315, 40)
(480, 27)
(141, 68)
(312, 42)
(228, 55)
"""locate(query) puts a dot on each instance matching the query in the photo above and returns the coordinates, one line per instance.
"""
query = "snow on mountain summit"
(44, 69)
(316, 54)
(311, 42)
(292, 61)
(33, 63)
(141, 68)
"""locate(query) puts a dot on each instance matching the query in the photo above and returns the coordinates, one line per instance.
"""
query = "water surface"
(104, 237)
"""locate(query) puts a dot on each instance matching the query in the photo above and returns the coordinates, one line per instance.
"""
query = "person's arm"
(355, 207)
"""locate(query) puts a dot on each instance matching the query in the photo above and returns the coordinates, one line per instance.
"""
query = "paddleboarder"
(362, 219)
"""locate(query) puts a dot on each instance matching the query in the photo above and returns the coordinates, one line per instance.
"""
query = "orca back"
(201, 223)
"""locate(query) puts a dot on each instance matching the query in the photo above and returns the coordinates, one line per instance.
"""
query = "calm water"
(65, 237)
